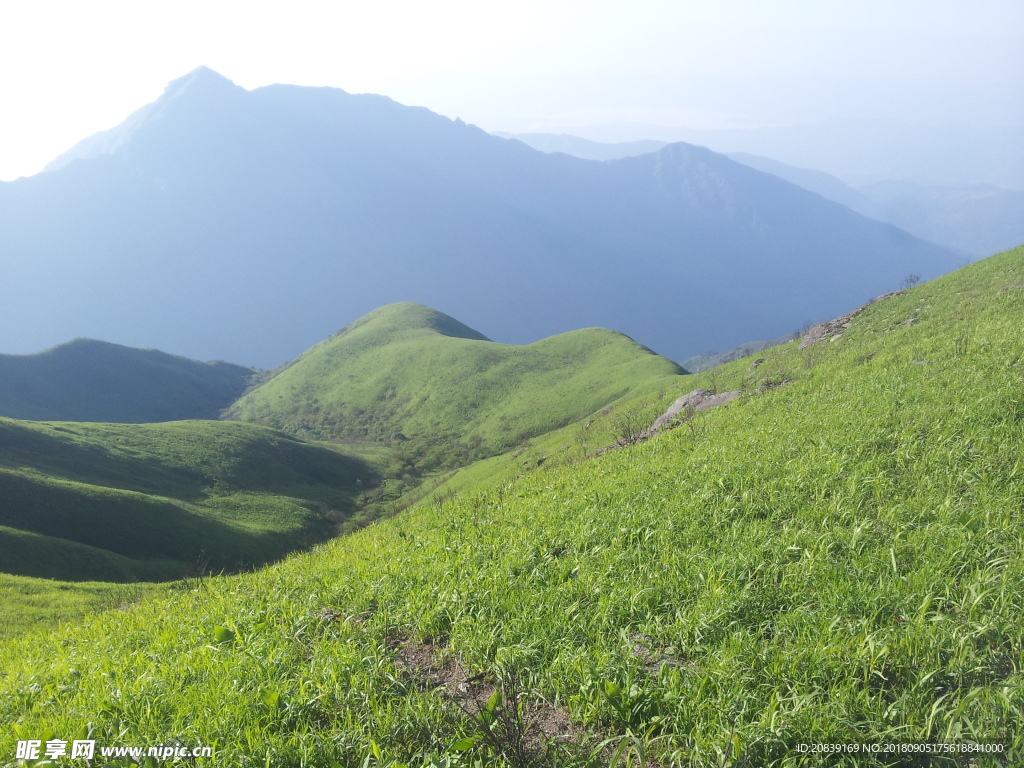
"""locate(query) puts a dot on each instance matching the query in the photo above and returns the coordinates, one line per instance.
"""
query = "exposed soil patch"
(655, 658)
(770, 385)
(534, 727)
(424, 663)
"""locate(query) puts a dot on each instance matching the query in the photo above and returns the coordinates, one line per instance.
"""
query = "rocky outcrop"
(697, 400)
(834, 329)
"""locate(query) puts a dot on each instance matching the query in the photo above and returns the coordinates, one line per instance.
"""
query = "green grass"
(28, 553)
(124, 502)
(86, 380)
(839, 559)
(400, 393)
(31, 603)
(440, 393)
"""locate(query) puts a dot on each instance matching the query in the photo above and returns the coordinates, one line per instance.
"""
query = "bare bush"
(910, 281)
(628, 426)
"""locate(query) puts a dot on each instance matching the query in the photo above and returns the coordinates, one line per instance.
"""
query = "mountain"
(86, 380)
(406, 373)
(824, 184)
(232, 224)
(834, 557)
(128, 502)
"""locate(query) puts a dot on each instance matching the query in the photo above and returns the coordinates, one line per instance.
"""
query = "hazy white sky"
(69, 69)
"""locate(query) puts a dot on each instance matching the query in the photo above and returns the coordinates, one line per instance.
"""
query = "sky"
(69, 69)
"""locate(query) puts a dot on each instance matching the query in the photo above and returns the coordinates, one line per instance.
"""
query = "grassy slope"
(31, 603)
(86, 380)
(835, 560)
(124, 502)
(408, 369)
(119, 503)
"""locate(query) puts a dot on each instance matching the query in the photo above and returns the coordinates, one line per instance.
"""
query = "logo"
(34, 749)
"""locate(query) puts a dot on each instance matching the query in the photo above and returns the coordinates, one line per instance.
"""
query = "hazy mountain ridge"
(977, 220)
(240, 225)
(583, 148)
(861, 151)
(87, 380)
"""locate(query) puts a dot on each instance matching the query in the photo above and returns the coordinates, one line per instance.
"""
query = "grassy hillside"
(119, 502)
(86, 380)
(836, 557)
(408, 388)
(31, 603)
(406, 374)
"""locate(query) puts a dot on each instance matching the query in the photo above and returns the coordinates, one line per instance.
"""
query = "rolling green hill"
(409, 388)
(86, 380)
(415, 378)
(125, 502)
(835, 557)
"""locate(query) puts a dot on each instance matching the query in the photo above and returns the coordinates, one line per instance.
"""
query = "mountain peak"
(200, 78)
(408, 315)
(201, 84)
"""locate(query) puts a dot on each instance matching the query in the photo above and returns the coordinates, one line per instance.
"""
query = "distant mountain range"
(976, 219)
(980, 219)
(221, 223)
(860, 151)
